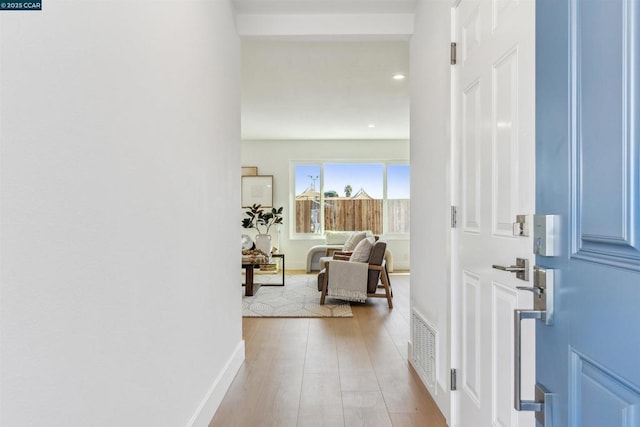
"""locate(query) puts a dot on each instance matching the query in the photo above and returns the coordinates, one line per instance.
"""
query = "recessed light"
(399, 76)
(372, 125)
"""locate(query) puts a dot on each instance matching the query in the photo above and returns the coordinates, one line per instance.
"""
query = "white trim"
(350, 24)
(209, 405)
(455, 354)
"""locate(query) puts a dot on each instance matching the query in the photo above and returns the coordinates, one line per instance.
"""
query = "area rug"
(298, 298)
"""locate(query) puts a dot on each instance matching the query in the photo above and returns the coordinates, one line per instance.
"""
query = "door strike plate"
(521, 227)
(523, 272)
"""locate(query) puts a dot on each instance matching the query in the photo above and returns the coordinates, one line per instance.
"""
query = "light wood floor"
(330, 372)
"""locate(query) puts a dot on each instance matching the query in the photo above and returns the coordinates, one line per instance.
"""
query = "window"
(307, 202)
(352, 196)
(398, 202)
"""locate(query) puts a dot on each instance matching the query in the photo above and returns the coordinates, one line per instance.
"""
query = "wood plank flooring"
(330, 371)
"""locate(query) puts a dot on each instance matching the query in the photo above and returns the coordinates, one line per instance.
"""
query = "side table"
(281, 256)
(252, 287)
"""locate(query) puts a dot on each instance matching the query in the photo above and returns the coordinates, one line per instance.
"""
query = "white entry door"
(495, 141)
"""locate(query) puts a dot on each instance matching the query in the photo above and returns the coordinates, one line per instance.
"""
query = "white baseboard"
(209, 405)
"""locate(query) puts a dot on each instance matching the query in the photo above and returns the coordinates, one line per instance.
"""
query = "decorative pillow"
(363, 250)
(353, 241)
(336, 237)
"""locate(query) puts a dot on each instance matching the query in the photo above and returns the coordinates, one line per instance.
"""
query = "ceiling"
(318, 89)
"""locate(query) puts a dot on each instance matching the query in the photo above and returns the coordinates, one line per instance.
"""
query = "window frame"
(321, 165)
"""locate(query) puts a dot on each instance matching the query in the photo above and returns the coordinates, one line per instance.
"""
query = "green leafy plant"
(262, 219)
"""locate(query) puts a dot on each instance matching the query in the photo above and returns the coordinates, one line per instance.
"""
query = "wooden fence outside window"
(354, 214)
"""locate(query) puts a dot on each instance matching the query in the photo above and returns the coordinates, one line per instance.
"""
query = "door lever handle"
(511, 268)
(535, 290)
(521, 268)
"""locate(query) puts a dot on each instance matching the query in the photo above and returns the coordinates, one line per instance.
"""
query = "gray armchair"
(377, 275)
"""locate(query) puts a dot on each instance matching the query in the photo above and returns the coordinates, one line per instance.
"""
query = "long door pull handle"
(543, 289)
(519, 404)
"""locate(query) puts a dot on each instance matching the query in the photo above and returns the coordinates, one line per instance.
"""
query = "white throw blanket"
(348, 280)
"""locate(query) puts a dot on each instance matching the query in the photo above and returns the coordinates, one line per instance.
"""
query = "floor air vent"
(423, 339)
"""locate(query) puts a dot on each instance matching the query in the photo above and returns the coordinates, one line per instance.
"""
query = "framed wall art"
(249, 170)
(258, 190)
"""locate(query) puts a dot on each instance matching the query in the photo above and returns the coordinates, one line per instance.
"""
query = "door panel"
(504, 301)
(603, 399)
(604, 56)
(587, 152)
(470, 37)
(471, 157)
(471, 339)
(505, 143)
(599, 47)
(496, 115)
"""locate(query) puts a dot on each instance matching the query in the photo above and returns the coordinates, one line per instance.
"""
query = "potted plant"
(262, 220)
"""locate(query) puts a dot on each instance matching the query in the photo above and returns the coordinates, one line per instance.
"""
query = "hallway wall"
(430, 181)
(119, 160)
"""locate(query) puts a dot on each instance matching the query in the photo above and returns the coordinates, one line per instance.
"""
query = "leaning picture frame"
(257, 190)
(249, 170)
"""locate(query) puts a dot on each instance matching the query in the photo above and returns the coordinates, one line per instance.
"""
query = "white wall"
(119, 130)
(275, 158)
(430, 168)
